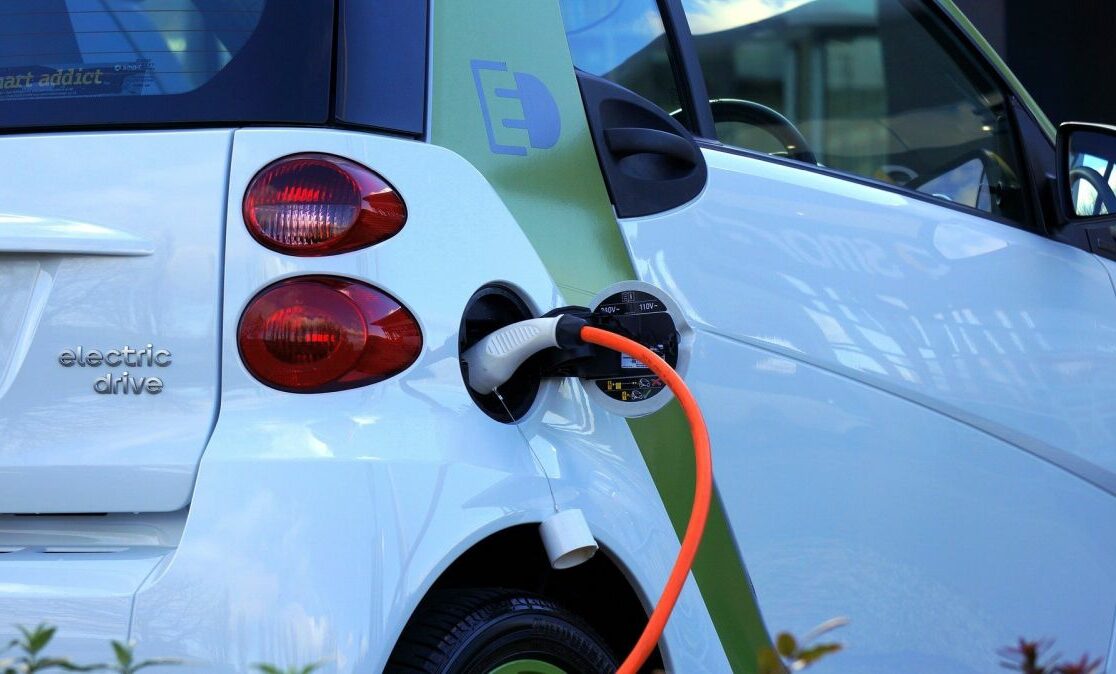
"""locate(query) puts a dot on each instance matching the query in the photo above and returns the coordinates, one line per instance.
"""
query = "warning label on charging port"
(642, 317)
(629, 363)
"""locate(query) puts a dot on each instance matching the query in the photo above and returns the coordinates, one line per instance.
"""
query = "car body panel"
(852, 476)
(913, 405)
(319, 521)
(993, 325)
(940, 543)
(86, 594)
(108, 245)
(558, 196)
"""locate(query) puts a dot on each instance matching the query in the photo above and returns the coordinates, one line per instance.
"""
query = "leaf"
(815, 653)
(123, 654)
(157, 662)
(62, 663)
(39, 638)
(769, 662)
(786, 644)
(1082, 666)
(293, 669)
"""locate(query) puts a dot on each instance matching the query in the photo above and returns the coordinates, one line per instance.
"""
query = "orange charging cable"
(702, 490)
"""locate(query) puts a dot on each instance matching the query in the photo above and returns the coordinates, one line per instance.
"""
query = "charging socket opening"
(489, 309)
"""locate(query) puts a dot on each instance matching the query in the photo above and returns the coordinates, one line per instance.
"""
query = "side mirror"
(1086, 186)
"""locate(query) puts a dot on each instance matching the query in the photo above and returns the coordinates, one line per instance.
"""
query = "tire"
(483, 631)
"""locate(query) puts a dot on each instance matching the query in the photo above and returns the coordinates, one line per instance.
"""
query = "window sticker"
(126, 78)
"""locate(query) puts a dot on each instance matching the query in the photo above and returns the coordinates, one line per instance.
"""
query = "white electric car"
(243, 244)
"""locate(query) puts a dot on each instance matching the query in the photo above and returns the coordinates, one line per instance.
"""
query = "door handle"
(625, 141)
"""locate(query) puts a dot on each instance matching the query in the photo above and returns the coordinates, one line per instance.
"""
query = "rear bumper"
(86, 595)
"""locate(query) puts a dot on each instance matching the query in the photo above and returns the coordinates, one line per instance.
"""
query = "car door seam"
(1097, 476)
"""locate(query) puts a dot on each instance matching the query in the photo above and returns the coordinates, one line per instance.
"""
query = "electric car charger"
(495, 359)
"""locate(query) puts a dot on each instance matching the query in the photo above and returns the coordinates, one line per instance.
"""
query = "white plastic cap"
(567, 539)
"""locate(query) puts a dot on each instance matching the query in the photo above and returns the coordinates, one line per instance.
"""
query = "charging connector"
(495, 358)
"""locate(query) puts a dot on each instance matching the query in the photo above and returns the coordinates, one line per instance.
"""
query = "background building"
(1061, 50)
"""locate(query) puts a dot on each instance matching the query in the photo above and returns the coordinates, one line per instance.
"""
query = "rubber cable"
(703, 490)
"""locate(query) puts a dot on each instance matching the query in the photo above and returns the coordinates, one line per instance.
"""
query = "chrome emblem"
(124, 383)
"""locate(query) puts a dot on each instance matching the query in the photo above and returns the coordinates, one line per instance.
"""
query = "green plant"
(792, 654)
(126, 661)
(293, 669)
(789, 654)
(29, 659)
(32, 643)
(1030, 657)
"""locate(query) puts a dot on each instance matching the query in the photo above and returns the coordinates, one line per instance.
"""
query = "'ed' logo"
(537, 113)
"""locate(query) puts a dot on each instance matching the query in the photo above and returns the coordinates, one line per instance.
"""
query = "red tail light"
(312, 334)
(318, 204)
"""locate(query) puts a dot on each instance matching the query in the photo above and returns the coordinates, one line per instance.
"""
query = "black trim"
(641, 150)
(858, 179)
(1066, 212)
(1096, 234)
(1038, 160)
(217, 124)
(490, 308)
(333, 59)
(381, 65)
(568, 331)
(688, 75)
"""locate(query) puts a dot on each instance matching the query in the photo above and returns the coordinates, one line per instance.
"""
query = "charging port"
(489, 309)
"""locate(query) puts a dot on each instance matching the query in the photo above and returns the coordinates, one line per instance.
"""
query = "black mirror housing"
(1086, 164)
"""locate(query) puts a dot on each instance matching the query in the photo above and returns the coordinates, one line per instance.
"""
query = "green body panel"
(1001, 67)
(724, 583)
(559, 199)
(559, 202)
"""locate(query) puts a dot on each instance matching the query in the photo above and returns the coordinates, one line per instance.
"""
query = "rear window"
(150, 62)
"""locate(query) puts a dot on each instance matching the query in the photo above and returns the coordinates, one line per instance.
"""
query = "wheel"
(494, 631)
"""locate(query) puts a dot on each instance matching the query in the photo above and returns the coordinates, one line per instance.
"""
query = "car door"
(909, 386)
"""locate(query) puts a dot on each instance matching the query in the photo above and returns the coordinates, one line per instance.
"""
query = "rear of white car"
(112, 237)
(166, 479)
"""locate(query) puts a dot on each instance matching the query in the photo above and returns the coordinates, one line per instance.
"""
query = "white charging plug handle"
(493, 360)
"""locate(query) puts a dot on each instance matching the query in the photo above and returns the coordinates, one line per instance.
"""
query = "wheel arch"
(600, 591)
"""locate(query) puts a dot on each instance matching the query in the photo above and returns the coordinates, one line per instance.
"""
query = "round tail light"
(313, 334)
(318, 204)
